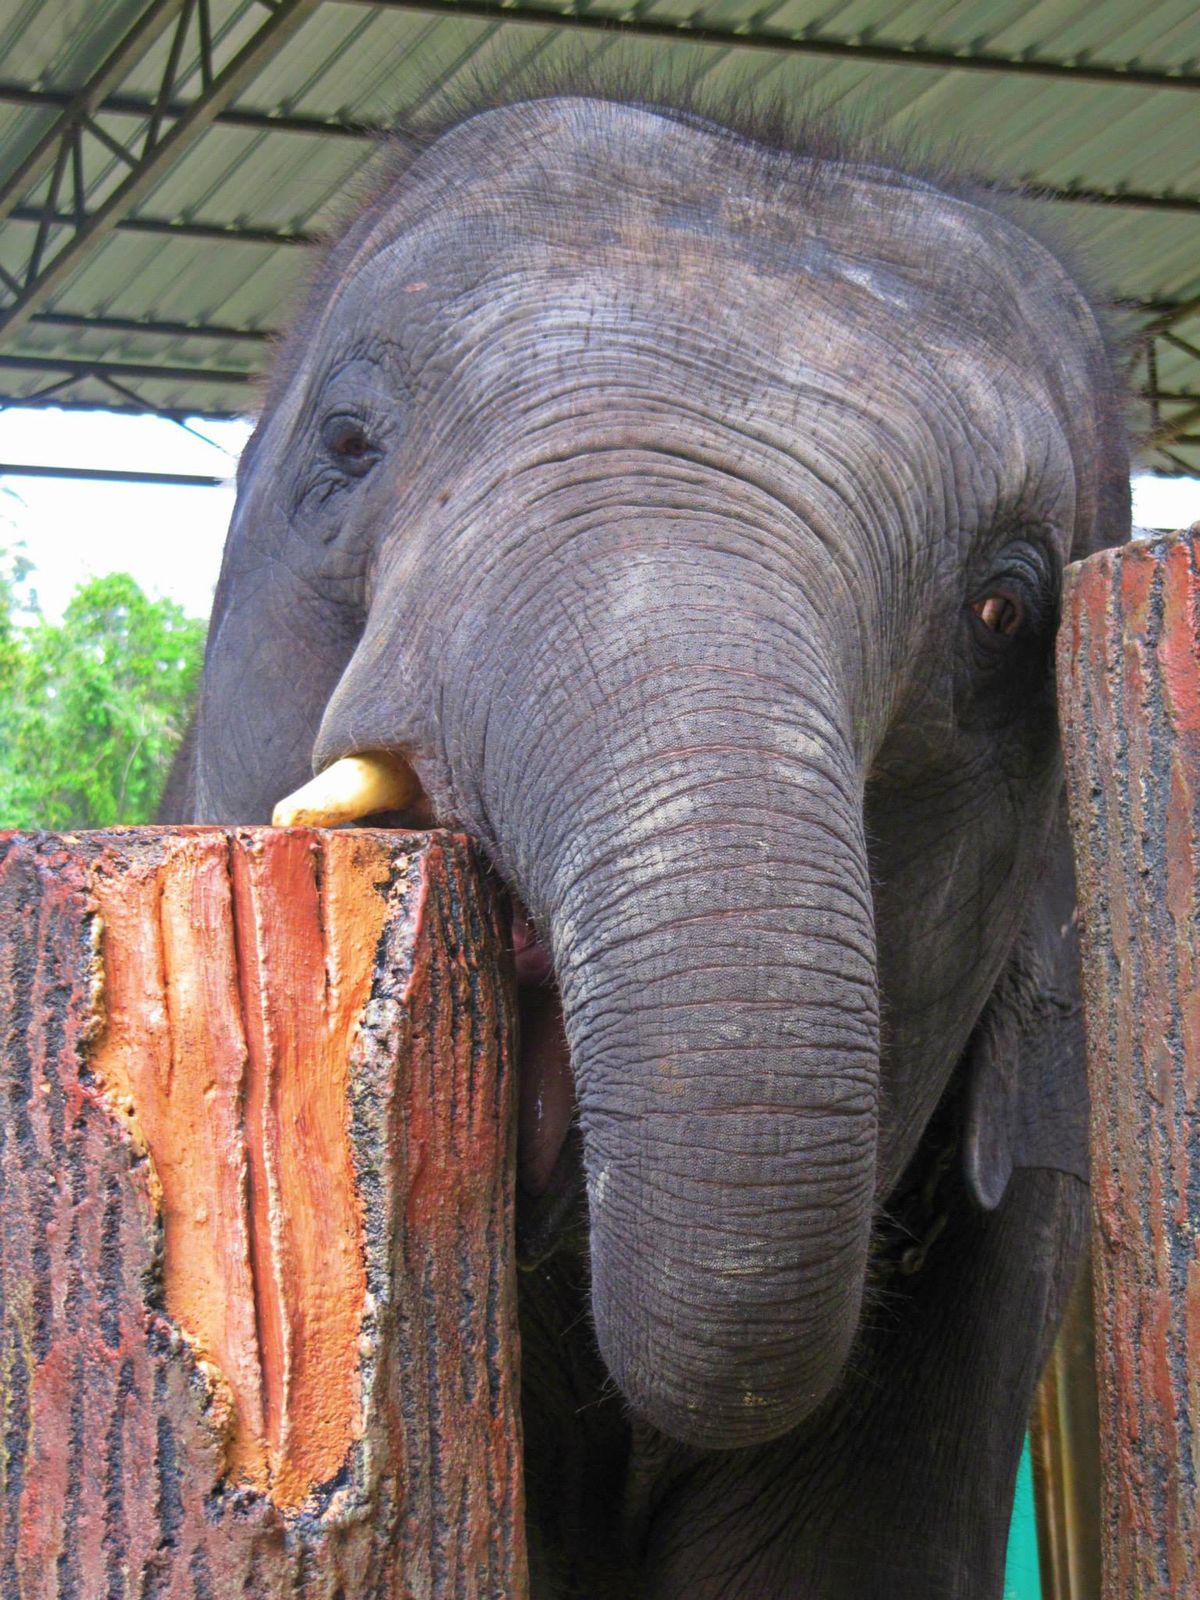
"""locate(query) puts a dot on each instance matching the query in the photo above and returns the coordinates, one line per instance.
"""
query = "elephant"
(680, 507)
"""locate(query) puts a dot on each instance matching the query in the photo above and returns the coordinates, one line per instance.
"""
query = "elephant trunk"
(726, 1060)
(669, 781)
(714, 946)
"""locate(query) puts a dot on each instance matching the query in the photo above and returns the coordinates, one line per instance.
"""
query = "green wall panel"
(1022, 1578)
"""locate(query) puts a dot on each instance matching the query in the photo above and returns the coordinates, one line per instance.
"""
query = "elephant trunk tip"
(726, 1351)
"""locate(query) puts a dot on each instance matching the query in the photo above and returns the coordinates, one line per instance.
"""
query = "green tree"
(92, 708)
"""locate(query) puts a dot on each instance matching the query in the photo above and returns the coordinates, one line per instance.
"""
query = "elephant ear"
(1026, 1090)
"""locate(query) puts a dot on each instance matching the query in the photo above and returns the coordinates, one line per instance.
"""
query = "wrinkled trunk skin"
(689, 841)
(721, 1015)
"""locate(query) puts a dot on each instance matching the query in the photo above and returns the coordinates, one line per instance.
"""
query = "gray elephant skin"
(688, 508)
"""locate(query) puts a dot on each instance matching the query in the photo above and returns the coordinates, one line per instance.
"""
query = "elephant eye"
(1000, 614)
(348, 442)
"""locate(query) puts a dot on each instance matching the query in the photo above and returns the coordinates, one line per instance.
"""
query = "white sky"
(170, 538)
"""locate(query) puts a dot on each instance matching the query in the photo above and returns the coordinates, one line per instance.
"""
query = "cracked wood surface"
(258, 1325)
(1129, 689)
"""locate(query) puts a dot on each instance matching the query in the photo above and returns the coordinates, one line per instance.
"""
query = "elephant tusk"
(354, 787)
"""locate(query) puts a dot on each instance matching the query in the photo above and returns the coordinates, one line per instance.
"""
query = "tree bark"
(1129, 685)
(258, 1333)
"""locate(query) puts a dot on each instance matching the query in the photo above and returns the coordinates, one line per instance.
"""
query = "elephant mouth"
(382, 790)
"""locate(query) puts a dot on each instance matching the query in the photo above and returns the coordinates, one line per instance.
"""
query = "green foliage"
(92, 708)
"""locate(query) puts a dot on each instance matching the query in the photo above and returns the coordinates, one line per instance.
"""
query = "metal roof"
(165, 163)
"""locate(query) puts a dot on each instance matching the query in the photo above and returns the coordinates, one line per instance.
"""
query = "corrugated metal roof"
(176, 239)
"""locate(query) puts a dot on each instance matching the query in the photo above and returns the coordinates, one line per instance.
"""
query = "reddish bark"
(1129, 675)
(258, 1324)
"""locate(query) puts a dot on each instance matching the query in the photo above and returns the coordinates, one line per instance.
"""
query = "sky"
(170, 538)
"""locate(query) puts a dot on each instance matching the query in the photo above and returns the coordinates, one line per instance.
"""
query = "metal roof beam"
(284, 18)
(83, 367)
(156, 328)
(190, 480)
(235, 233)
(225, 333)
(1179, 467)
(146, 409)
(1134, 199)
(140, 107)
(76, 368)
(1171, 315)
(1176, 343)
(217, 232)
(746, 37)
(1172, 429)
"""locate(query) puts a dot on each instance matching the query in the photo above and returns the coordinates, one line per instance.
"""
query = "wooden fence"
(258, 1326)
(1129, 692)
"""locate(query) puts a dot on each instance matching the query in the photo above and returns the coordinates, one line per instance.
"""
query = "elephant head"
(684, 516)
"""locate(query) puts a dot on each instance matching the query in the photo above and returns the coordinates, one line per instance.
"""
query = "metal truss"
(1168, 432)
(141, 107)
(138, 405)
(66, 373)
(77, 367)
(69, 224)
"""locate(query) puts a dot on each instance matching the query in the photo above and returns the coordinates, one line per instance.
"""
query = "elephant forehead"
(571, 180)
(669, 332)
(595, 222)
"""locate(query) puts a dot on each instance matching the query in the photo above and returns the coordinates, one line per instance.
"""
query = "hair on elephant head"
(682, 510)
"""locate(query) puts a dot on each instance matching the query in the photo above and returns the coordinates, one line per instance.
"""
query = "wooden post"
(1129, 687)
(258, 1335)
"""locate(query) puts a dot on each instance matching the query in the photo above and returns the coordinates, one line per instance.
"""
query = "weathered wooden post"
(258, 1334)
(1129, 686)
